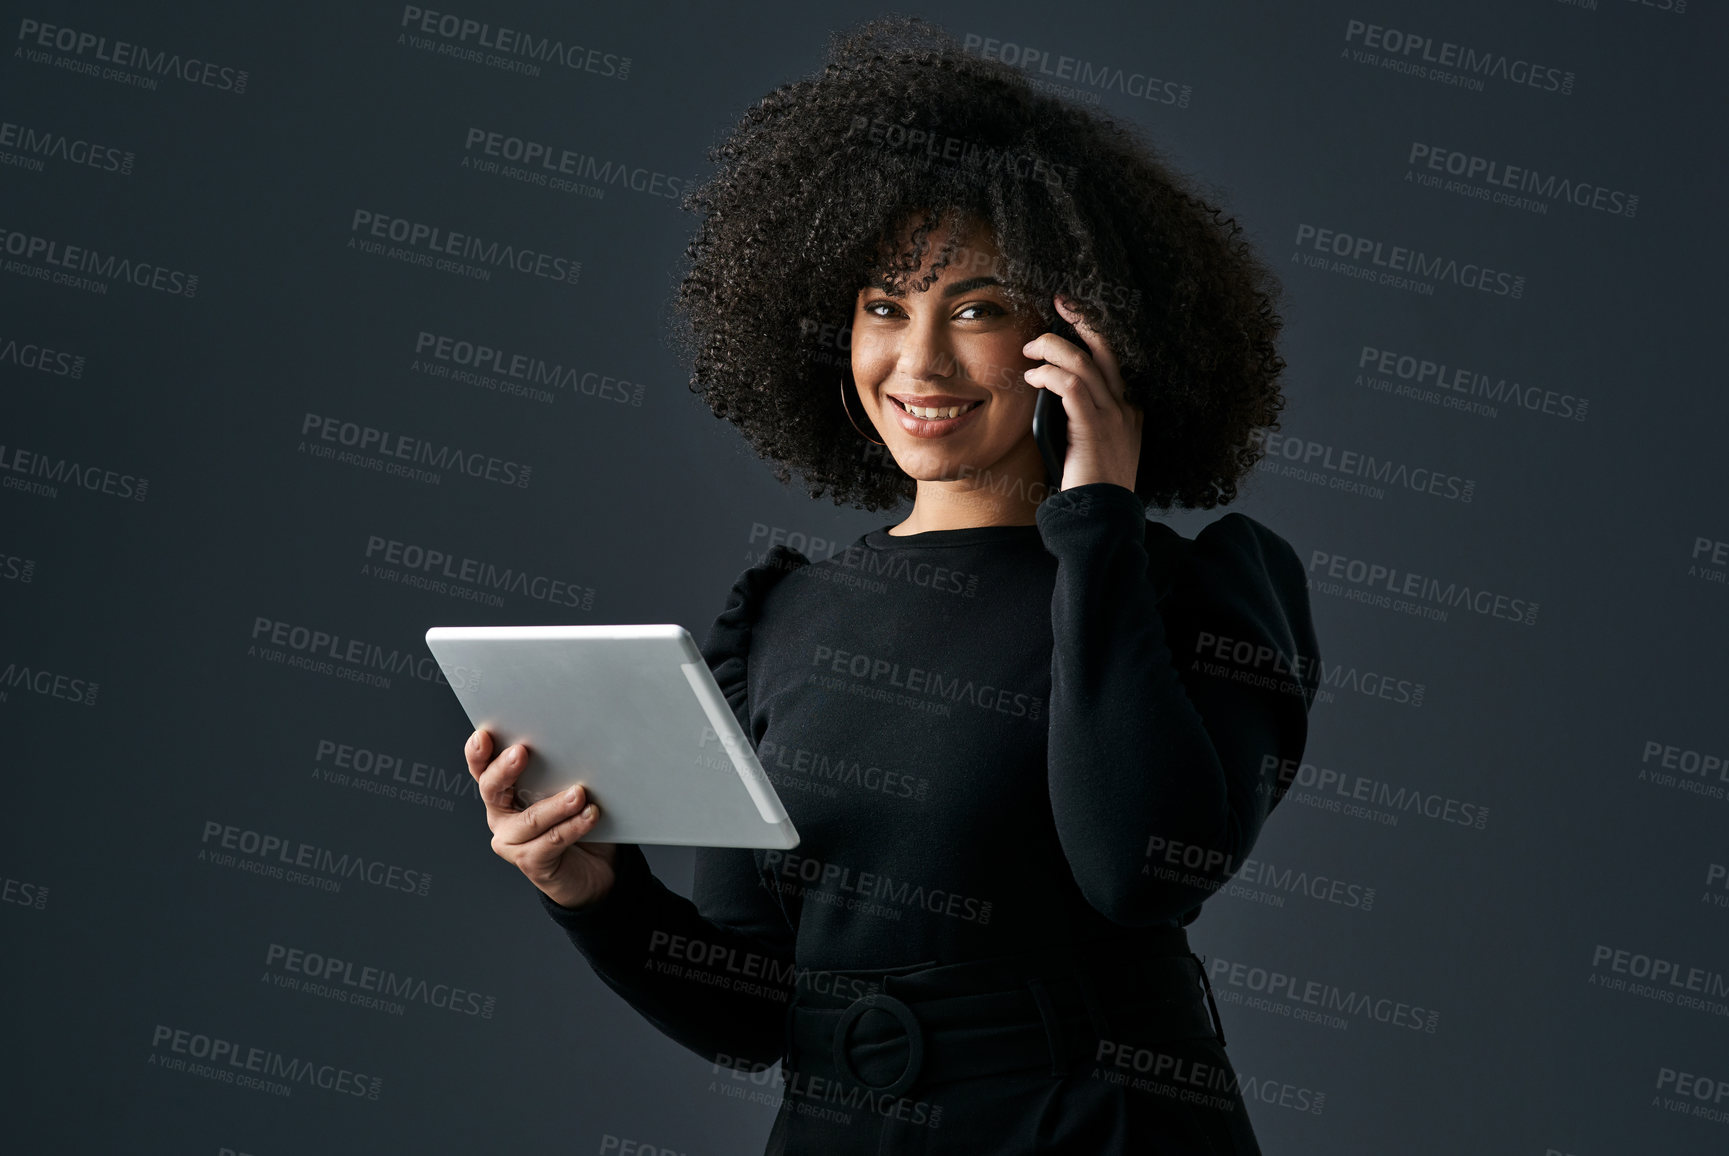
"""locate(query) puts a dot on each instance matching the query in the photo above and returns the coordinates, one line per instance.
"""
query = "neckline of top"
(881, 539)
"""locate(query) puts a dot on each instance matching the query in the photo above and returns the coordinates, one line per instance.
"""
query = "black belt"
(939, 1022)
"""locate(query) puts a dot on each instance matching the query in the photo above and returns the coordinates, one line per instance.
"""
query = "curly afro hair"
(822, 181)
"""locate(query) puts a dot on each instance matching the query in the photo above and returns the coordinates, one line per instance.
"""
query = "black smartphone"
(1050, 419)
(1051, 431)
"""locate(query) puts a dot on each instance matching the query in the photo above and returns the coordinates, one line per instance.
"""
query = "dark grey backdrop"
(181, 299)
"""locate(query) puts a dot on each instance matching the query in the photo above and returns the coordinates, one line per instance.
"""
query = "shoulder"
(728, 641)
(1248, 549)
(1233, 547)
(1239, 582)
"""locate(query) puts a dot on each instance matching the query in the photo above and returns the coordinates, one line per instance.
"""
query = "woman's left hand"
(1104, 427)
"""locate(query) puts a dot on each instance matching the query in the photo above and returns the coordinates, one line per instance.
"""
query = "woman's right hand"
(541, 840)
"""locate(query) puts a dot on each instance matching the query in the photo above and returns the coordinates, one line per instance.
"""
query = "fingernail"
(589, 811)
(570, 795)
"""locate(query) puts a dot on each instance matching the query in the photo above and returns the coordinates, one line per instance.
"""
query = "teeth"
(937, 413)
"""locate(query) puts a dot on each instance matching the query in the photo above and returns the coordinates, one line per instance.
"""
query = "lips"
(930, 427)
(933, 401)
(936, 400)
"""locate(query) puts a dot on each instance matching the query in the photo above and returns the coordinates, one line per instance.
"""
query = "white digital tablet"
(631, 711)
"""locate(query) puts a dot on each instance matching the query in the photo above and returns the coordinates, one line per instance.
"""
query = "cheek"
(1001, 368)
(871, 357)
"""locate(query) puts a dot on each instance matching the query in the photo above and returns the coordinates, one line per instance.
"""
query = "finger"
(1057, 350)
(1103, 355)
(529, 824)
(478, 752)
(1068, 357)
(1081, 398)
(545, 850)
(497, 784)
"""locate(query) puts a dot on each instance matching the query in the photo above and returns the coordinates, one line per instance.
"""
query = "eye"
(991, 310)
(882, 302)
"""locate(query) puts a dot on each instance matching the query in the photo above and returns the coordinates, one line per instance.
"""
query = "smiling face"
(920, 357)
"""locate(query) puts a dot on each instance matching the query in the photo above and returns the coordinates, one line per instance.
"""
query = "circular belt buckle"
(881, 1001)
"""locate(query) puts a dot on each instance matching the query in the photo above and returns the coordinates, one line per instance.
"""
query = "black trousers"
(1084, 1052)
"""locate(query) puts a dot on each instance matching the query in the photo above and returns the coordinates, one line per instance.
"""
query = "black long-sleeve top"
(990, 740)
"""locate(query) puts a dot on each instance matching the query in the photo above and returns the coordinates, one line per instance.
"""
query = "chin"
(925, 466)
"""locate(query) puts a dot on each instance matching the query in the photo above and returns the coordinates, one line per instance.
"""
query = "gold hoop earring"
(844, 406)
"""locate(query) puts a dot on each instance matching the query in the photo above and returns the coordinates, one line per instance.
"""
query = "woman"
(1025, 732)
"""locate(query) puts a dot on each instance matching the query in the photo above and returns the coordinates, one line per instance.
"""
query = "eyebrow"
(954, 289)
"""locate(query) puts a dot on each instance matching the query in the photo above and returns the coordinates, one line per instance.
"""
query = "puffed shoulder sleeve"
(641, 938)
(726, 648)
(1181, 677)
(1242, 633)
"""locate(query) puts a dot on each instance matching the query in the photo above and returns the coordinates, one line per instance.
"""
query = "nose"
(926, 354)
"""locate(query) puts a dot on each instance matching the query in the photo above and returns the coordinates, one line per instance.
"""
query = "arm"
(1154, 760)
(713, 972)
